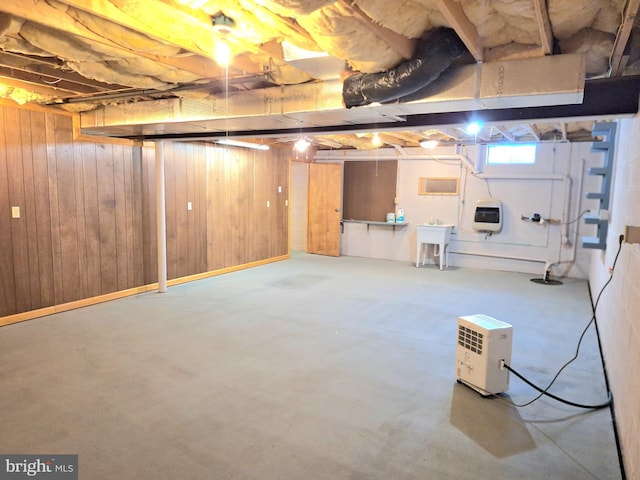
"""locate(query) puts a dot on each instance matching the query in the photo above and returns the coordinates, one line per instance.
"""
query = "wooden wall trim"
(43, 312)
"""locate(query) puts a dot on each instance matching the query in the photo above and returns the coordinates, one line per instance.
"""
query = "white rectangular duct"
(552, 80)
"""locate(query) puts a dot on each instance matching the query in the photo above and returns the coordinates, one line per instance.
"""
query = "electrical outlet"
(15, 212)
(631, 234)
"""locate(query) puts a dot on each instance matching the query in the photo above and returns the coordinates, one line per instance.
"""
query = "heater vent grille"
(470, 339)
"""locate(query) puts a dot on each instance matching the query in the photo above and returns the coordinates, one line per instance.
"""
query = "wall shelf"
(379, 224)
(607, 131)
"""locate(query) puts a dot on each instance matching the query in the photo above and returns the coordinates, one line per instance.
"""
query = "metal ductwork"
(544, 81)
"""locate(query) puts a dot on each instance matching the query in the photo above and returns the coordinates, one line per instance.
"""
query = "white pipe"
(566, 210)
(321, 156)
(520, 177)
(161, 228)
(574, 243)
(505, 257)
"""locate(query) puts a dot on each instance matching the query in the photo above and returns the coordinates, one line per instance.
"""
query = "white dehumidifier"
(484, 345)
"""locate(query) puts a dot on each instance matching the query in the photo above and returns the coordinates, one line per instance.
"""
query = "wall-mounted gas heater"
(488, 216)
(484, 345)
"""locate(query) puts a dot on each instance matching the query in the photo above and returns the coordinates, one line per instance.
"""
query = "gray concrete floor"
(314, 368)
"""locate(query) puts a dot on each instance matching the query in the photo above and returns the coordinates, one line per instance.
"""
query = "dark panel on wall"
(107, 218)
(135, 250)
(369, 190)
(19, 235)
(41, 198)
(7, 281)
(62, 136)
(91, 218)
(29, 210)
(150, 247)
(218, 204)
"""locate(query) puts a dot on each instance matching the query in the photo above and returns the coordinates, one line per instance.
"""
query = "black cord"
(545, 392)
(593, 319)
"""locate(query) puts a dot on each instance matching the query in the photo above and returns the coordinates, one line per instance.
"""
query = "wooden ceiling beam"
(195, 35)
(533, 130)
(59, 84)
(544, 26)
(453, 13)
(504, 132)
(32, 87)
(57, 19)
(41, 71)
(393, 139)
(402, 45)
(619, 56)
(449, 132)
(563, 130)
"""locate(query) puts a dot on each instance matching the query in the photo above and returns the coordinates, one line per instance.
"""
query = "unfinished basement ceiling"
(297, 64)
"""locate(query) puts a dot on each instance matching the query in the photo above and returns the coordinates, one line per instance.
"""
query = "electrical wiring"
(545, 391)
(576, 219)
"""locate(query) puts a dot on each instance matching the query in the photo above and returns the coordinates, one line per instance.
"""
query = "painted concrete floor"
(314, 368)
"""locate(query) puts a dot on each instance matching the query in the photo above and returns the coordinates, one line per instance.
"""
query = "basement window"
(521, 154)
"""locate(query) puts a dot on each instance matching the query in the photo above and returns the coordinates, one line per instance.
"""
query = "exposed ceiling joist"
(544, 26)
(563, 130)
(533, 130)
(38, 70)
(619, 54)
(58, 19)
(393, 139)
(64, 87)
(504, 131)
(145, 51)
(31, 87)
(452, 11)
(195, 35)
(450, 132)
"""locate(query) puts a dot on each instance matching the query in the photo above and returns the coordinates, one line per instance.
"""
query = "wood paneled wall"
(88, 218)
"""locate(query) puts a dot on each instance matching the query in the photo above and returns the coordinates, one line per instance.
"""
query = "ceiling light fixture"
(223, 26)
(302, 144)
(376, 141)
(473, 128)
(429, 144)
(239, 143)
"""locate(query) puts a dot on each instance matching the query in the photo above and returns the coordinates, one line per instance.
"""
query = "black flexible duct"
(433, 55)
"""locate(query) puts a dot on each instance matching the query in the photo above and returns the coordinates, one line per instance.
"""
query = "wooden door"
(325, 208)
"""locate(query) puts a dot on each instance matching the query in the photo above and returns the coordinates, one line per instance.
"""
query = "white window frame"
(513, 156)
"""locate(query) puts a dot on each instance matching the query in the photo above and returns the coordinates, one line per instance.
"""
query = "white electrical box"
(483, 345)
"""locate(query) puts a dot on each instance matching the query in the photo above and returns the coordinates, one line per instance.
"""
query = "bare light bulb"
(473, 128)
(376, 141)
(429, 144)
(222, 54)
(301, 145)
